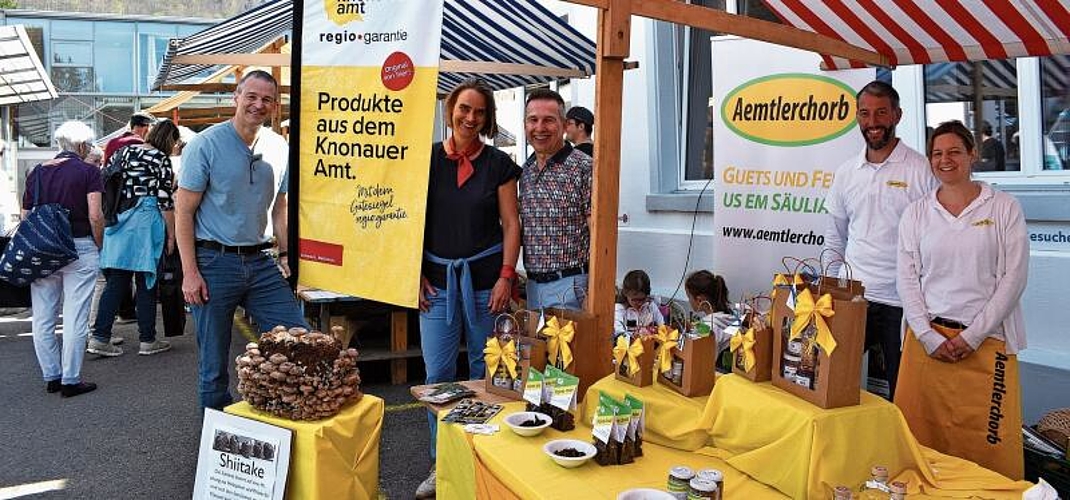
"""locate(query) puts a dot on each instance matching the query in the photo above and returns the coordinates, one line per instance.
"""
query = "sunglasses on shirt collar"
(252, 162)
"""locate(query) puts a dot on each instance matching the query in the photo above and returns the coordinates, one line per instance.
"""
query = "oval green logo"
(790, 109)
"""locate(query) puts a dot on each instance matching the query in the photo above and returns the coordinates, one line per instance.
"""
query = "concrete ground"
(136, 436)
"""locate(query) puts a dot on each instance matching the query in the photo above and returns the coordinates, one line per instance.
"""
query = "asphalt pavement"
(136, 436)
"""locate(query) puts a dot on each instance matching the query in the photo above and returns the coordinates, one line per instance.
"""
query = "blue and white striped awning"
(516, 32)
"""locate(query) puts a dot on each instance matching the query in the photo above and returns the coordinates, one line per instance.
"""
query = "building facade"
(102, 65)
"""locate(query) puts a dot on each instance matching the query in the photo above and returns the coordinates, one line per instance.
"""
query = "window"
(696, 112)
(1055, 112)
(72, 56)
(114, 42)
(152, 46)
(984, 96)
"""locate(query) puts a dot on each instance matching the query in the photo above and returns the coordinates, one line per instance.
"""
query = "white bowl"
(645, 494)
(569, 462)
(513, 420)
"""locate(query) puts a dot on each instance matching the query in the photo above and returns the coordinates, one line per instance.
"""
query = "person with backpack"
(139, 207)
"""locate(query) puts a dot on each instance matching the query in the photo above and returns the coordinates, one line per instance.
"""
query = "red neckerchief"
(463, 158)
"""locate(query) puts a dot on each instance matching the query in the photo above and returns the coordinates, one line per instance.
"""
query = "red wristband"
(508, 272)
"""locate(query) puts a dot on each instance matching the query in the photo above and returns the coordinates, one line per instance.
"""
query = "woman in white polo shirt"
(962, 266)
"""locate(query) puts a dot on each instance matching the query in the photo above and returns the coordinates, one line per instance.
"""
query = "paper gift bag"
(822, 363)
(633, 359)
(691, 366)
(752, 346)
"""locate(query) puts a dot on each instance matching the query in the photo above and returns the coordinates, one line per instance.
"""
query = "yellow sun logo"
(343, 12)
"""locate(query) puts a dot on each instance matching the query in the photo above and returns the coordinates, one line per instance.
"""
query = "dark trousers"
(883, 324)
(127, 304)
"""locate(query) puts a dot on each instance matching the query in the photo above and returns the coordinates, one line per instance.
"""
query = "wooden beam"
(697, 16)
(615, 36)
(213, 87)
(498, 68)
(236, 59)
(605, 195)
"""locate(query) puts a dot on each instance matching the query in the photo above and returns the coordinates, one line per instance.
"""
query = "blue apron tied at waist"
(465, 285)
(136, 241)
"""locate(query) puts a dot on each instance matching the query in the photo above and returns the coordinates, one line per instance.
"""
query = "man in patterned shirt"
(555, 207)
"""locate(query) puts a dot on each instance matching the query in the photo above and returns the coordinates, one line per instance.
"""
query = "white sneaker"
(116, 340)
(154, 347)
(427, 488)
(103, 348)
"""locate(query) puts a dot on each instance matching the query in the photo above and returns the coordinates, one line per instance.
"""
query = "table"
(319, 303)
(507, 466)
(337, 457)
(768, 443)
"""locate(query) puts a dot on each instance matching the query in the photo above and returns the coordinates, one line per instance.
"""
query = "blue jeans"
(116, 289)
(566, 293)
(72, 286)
(441, 343)
(252, 281)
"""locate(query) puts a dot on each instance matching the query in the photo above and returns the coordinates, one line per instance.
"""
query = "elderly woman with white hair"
(71, 182)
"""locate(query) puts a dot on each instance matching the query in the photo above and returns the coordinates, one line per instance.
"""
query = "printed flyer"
(369, 72)
(241, 459)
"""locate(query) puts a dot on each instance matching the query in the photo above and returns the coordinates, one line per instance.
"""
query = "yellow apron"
(970, 409)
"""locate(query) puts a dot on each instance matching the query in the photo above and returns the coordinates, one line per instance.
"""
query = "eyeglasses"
(252, 162)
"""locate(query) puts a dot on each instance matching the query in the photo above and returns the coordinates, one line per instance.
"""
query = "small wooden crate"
(699, 358)
(531, 352)
(645, 375)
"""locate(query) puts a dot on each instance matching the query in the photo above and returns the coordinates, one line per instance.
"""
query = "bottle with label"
(876, 488)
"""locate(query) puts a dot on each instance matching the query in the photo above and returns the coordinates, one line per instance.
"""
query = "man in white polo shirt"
(868, 196)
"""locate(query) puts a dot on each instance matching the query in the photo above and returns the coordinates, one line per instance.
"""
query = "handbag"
(11, 295)
(42, 243)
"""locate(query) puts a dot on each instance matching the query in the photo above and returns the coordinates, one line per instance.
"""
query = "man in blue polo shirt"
(221, 210)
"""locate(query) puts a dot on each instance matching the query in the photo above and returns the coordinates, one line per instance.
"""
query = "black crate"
(1055, 471)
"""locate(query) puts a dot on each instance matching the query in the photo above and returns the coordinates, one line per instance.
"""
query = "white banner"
(781, 126)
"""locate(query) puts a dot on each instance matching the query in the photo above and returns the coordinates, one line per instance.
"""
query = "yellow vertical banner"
(369, 73)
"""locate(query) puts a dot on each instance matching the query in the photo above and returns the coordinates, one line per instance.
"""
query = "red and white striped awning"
(931, 31)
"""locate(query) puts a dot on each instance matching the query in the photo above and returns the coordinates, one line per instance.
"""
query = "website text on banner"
(369, 71)
(780, 128)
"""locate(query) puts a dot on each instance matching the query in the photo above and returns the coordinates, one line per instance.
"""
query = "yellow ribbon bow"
(667, 339)
(633, 351)
(495, 353)
(558, 339)
(746, 341)
(780, 280)
(807, 311)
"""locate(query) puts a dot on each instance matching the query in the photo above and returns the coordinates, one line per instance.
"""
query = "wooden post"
(614, 33)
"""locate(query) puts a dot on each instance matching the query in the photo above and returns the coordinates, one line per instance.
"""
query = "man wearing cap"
(579, 126)
(140, 123)
(555, 206)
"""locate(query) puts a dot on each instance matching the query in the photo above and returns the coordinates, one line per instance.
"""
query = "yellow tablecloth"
(675, 423)
(801, 450)
(506, 465)
(331, 458)
(757, 434)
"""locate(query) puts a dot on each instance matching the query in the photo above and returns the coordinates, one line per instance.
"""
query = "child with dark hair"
(635, 309)
(708, 295)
